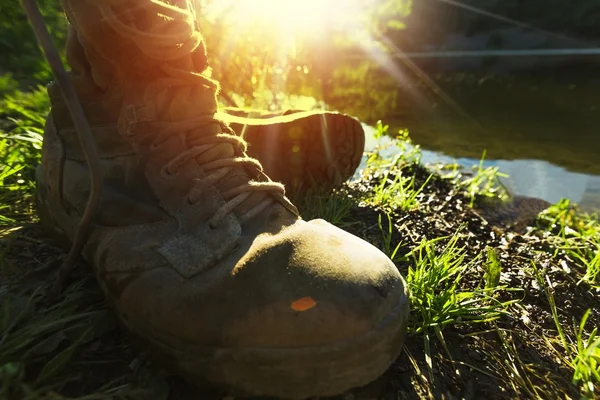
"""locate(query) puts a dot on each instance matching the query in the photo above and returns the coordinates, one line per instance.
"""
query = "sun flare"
(300, 18)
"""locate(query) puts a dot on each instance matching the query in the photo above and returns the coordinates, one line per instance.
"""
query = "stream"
(542, 129)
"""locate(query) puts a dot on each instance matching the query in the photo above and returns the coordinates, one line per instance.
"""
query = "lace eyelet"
(166, 174)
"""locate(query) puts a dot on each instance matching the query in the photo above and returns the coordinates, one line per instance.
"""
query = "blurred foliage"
(432, 21)
(250, 61)
(578, 18)
(258, 68)
(21, 55)
(22, 117)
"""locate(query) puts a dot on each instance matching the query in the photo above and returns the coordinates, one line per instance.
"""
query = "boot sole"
(306, 150)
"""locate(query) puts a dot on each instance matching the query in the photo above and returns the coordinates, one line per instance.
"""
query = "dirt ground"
(504, 359)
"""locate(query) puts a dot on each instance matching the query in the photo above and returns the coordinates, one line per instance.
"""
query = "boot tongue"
(180, 99)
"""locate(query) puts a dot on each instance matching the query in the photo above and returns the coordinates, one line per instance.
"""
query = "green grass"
(43, 346)
(437, 269)
(519, 373)
(395, 190)
(480, 182)
(485, 182)
(578, 348)
(408, 152)
(586, 362)
(387, 233)
(333, 207)
(575, 234)
(27, 335)
(22, 117)
(46, 348)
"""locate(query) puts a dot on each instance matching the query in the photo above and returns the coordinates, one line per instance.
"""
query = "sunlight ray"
(306, 18)
(383, 60)
(436, 89)
(386, 61)
(325, 134)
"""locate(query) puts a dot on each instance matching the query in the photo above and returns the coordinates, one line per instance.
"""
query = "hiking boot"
(301, 149)
(205, 261)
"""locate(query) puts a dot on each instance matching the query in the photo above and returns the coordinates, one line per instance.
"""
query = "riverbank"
(540, 128)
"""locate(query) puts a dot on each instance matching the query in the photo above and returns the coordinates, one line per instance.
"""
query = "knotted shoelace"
(174, 38)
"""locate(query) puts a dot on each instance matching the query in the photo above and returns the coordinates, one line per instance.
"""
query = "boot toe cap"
(310, 310)
(311, 285)
(315, 285)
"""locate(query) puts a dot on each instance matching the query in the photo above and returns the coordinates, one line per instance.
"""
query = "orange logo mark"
(303, 304)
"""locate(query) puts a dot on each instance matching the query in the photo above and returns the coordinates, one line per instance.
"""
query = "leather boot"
(202, 256)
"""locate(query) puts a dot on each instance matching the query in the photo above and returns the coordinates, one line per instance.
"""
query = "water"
(535, 178)
(543, 130)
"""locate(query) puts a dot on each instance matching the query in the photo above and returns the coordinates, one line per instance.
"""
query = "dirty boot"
(205, 261)
(301, 149)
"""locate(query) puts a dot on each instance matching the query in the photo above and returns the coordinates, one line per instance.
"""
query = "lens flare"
(302, 18)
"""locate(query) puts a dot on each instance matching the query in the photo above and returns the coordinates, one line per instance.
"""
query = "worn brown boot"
(301, 149)
(203, 258)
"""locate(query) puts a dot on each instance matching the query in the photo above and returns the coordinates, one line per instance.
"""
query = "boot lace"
(172, 39)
